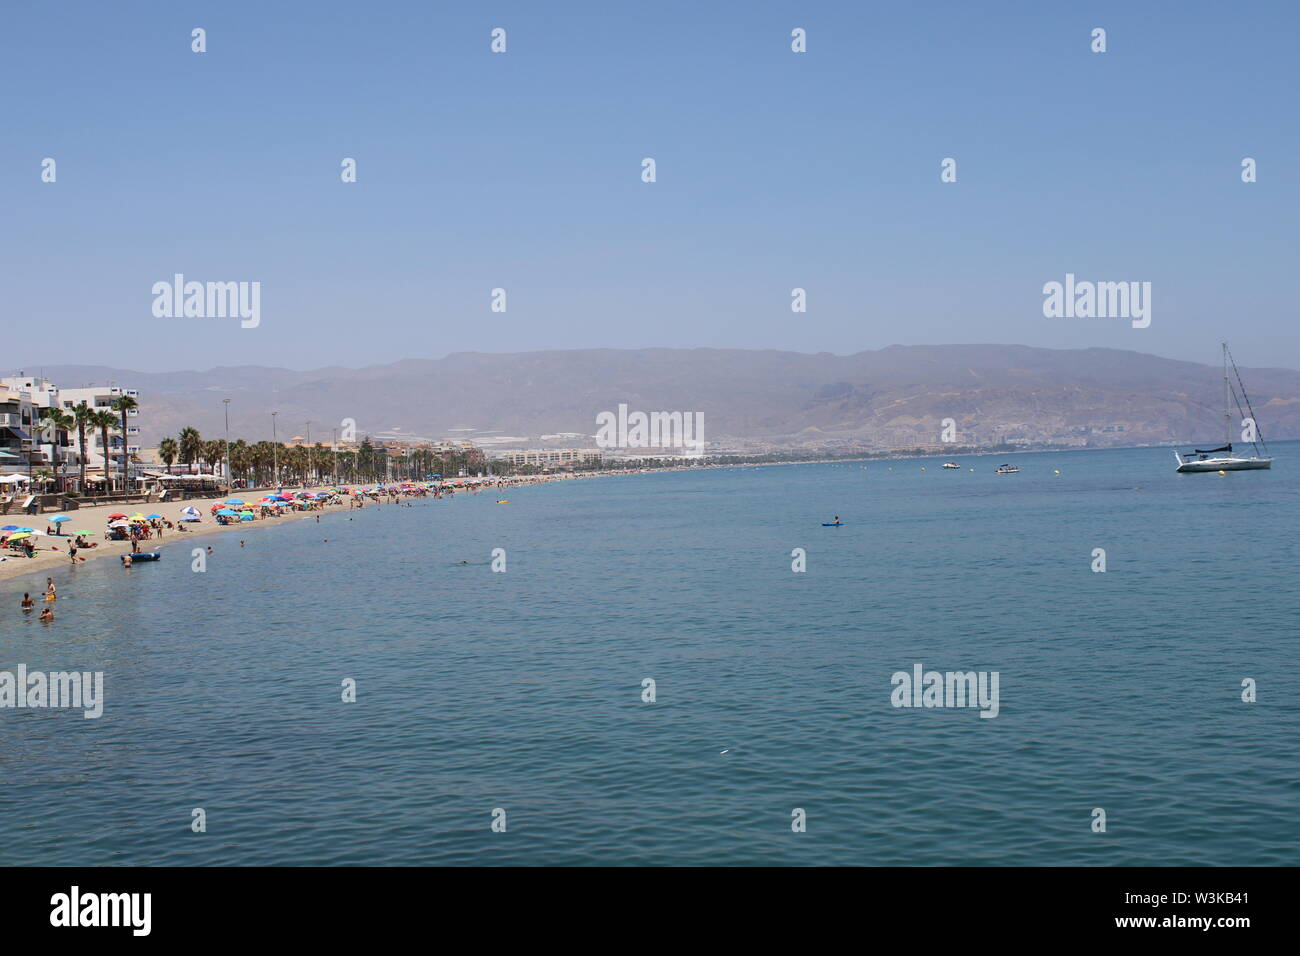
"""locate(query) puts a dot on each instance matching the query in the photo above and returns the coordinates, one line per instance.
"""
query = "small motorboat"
(146, 556)
(1007, 470)
(951, 464)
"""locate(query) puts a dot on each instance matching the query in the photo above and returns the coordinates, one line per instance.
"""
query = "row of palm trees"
(265, 463)
(85, 419)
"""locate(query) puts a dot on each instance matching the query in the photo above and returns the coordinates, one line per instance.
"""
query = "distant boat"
(1007, 470)
(951, 464)
(1214, 459)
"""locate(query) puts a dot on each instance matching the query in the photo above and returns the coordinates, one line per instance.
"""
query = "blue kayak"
(146, 556)
(831, 524)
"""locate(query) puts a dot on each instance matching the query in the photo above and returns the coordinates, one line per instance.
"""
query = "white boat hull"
(1224, 464)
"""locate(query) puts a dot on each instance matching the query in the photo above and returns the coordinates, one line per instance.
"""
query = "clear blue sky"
(522, 171)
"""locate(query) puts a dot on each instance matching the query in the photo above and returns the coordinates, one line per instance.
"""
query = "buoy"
(1056, 472)
(1222, 473)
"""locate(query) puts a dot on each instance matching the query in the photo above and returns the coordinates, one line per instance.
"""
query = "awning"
(22, 435)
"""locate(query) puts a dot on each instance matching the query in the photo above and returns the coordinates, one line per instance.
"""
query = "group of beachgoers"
(51, 595)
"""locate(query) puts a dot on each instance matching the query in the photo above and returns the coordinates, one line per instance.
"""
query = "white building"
(30, 444)
(101, 398)
(546, 457)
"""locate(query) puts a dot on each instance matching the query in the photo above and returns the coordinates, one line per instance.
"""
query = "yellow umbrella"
(20, 534)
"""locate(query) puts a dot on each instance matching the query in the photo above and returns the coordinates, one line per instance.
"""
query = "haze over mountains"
(892, 397)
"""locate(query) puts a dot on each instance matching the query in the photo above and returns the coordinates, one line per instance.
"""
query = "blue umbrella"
(227, 511)
(234, 501)
(148, 517)
(9, 527)
(59, 519)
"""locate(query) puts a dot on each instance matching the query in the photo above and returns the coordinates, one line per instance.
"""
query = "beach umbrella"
(84, 531)
(226, 512)
(119, 524)
(20, 534)
(9, 527)
(114, 517)
(189, 510)
(246, 516)
(59, 519)
(28, 530)
(151, 517)
(188, 518)
(234, 501)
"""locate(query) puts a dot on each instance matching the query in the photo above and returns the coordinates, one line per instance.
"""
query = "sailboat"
(1215, 459)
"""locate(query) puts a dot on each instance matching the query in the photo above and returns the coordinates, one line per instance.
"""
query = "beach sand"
(95, 519)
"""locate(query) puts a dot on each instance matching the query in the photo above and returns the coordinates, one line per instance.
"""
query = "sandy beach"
(53, 553)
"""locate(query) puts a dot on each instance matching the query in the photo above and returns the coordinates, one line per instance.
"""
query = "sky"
(522, 170)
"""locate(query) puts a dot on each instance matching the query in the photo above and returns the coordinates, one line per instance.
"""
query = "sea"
(647, 678)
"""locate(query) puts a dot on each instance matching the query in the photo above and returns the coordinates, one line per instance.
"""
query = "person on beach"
(28, 603)
(72, 552)
(47, 615)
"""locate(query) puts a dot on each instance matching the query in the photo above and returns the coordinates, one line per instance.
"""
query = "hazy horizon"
(37, 369)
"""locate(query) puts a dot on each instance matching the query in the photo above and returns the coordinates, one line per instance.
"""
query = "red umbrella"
(116, 516)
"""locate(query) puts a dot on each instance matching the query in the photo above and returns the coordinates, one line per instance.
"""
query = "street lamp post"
(275, 453)
(310, 456)
(226, 402)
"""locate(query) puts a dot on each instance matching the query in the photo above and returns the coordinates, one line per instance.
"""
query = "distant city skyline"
(522, 171)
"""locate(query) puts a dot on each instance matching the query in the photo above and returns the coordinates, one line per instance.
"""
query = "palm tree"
(81, 415)
(58, 421)
(240, 458)
(105, 421)
(124, 404)
(213, 452)
(168, 451)
(191, 445)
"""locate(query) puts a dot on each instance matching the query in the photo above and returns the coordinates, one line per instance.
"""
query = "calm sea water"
(522, 690)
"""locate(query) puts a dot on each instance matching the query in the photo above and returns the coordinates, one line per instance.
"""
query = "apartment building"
(547, 457)
(28, 443)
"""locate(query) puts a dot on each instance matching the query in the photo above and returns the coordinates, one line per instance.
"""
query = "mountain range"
(892, 397)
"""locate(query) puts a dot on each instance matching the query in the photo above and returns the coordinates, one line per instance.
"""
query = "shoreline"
(49, 562)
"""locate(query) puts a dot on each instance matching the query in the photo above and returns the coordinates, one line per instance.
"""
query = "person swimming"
(47, 615)
(28, 603)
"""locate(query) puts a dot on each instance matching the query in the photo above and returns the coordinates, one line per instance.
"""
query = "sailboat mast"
(1227, 412)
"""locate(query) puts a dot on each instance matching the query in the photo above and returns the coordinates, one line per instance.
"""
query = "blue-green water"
(522, 690)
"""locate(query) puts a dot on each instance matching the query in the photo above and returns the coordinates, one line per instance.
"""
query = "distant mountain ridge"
(892, 397)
